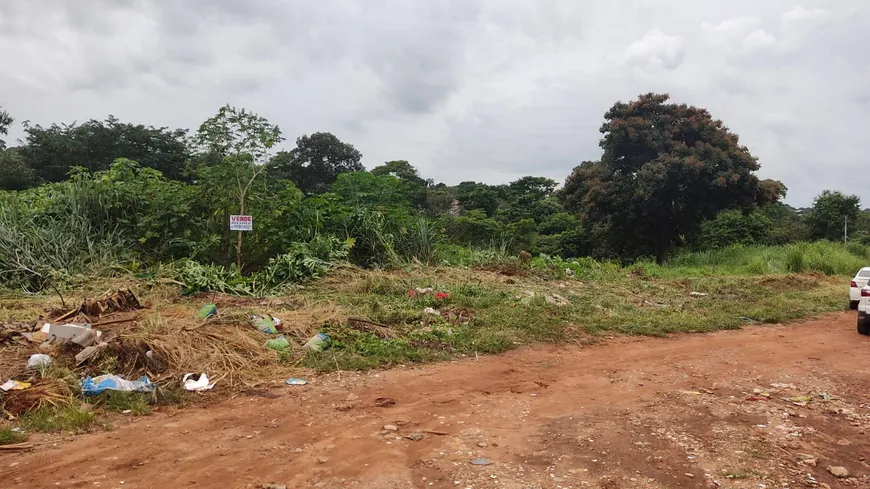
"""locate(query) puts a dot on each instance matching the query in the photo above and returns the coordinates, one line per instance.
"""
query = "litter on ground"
(196, 384)
(97, 385)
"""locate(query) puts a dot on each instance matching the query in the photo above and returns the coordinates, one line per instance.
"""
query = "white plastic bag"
(198, 385)
(38, 360)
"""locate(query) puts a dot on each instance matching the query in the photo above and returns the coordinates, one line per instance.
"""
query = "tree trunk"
(239, 240)
(239, 252)
(663, 253)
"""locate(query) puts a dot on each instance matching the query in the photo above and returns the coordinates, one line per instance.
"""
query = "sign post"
(240, 223)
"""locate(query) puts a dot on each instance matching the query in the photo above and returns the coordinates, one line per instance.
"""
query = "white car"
(864, 311)
(859, 282)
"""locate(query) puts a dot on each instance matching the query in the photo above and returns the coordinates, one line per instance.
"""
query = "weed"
(70, 417)
(169, 395)
(9, 436)
(136, 403)
(820, 257)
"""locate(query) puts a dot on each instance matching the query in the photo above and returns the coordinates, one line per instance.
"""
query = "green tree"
(400, 169)
(6, 120)
(526, 198)
(665, 169)
(473, 195)
(831, 210)
(861, 230)
(474, 229)
(316, 161)
(417, 186)
(735, 227)
(15, 172)
(94, 145)
(243, 139)
(375, 191)
(439, 199)
(787, 225)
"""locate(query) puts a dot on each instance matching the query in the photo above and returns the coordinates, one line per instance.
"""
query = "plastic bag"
(92, 386)
(38, 360)
(198, 385)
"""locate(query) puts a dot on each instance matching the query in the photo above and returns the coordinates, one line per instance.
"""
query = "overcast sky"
(486, 90)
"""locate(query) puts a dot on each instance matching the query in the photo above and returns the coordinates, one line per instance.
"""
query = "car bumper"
(863, 317)
(854, 294)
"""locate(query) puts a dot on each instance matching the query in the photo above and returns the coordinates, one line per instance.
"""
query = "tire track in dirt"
(630, 412)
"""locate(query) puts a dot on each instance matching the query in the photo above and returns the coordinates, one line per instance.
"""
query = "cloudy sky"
(486, 90)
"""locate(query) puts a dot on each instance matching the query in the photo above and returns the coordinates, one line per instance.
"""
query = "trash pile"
(270, 326)
(87, 350)
(74, 336)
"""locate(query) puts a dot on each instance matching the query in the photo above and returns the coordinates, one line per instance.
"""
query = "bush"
(303, 262)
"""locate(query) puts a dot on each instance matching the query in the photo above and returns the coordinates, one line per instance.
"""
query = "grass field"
(374, 322)
(491, 313)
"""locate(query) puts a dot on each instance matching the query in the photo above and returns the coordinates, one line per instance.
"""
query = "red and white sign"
(241, 223)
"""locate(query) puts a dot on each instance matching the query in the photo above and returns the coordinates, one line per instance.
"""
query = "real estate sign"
(241, 223)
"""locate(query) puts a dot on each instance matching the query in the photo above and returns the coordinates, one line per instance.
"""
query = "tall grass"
(421, 242)
(822, 257)
(462, 256)
(36, 251)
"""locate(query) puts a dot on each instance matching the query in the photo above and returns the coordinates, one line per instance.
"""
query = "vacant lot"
(703, 410)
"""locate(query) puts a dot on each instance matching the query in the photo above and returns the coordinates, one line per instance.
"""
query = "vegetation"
(108, 197)
(68, 417)
(665, 169)
(554, 300)
(10, 436)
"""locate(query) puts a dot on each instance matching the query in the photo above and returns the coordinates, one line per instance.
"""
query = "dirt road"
(689, 411)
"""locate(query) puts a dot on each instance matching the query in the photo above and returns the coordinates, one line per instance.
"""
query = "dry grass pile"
(44, 392)
(308, 320)
(228, 347)
(233, 352)
(13, 357)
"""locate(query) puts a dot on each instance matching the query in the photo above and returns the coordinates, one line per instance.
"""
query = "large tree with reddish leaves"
(665, 169)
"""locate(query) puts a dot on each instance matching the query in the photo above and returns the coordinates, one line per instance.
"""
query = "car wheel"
(853, 305)
(864, 328)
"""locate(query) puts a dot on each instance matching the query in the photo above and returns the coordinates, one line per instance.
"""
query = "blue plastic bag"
(97, 385)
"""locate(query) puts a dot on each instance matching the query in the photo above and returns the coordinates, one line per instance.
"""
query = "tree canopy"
(316, 161)
(665, 169)
(6, 120)
(832, 211)
(51, 152)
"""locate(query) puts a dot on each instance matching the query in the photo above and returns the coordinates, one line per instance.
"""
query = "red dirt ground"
(626, 413)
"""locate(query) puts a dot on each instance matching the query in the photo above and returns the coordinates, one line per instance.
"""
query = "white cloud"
(465, 89)
(801, 18)
(759, 39)
(656, 50)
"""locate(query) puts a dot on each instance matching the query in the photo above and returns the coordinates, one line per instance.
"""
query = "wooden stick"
(433, 432)
(116, 321)
(67, 315)
(17, 446)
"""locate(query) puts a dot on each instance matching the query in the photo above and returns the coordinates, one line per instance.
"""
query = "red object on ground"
(441, 296)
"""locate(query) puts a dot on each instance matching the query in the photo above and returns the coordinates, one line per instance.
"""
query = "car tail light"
(853, 284)
(865, 292)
